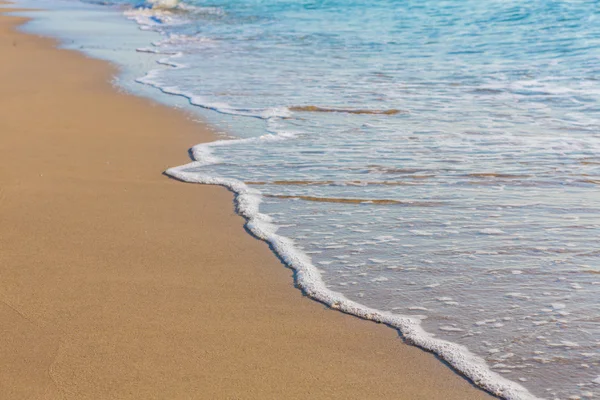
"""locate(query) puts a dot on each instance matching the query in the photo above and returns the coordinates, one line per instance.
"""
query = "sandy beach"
(117, 282)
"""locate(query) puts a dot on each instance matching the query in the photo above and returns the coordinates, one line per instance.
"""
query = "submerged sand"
(119, 283)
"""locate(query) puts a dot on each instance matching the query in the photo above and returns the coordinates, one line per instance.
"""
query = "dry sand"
(119, 283)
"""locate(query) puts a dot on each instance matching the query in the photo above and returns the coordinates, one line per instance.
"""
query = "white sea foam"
(175, 39)
(308, 277)
(151, 79)
(491, 231)
(149, 18)
(164, 3)
(156, 13)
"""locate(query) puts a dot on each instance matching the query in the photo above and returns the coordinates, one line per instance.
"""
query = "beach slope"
(117, 282)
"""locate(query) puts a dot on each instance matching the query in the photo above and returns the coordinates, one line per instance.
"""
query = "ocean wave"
(347, 110)
(150, 79)
(178, 6)
(412, 203)
(154, 14)
(330, 183)
(309, 280)
(165, 4)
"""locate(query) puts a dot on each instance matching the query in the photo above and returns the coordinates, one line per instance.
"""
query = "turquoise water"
(431, 164)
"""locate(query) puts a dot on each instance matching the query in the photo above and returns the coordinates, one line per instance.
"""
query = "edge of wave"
(306, 276)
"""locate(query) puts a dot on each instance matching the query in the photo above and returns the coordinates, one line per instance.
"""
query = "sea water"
(433, 165)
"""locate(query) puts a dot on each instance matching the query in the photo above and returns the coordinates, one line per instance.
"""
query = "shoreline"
(95, 236)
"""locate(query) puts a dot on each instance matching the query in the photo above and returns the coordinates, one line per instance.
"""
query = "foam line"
(308, 277)
(222, 108)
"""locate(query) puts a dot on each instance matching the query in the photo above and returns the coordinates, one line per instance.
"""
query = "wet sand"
(119, 283)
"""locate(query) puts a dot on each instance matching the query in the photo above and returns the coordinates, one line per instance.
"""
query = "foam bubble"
(380, 279)
(491, 231)
(450, 329)
(164, 3)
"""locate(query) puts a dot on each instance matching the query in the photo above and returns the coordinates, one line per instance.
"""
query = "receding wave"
(589, 161)
(392, 111)
(164, 4)
(292, 183)
(329, 183)
(591, 271)
(359, 201)
(498, 175)
(393, 170)
(592, 181)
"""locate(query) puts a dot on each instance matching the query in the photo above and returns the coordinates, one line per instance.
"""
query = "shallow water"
(434, 159)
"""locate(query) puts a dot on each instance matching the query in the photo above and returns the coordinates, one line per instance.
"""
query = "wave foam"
(150, 79)
(152, 14)
(164, 3)
(308, 277)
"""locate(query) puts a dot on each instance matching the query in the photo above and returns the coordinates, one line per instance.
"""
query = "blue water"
(434, 160)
